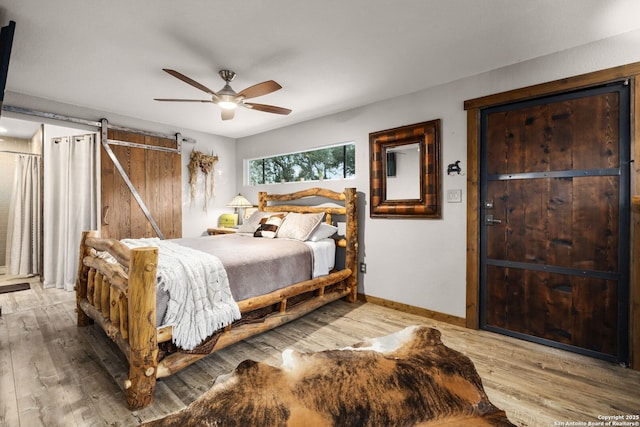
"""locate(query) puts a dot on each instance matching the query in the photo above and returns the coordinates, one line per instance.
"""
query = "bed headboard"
(348, 198)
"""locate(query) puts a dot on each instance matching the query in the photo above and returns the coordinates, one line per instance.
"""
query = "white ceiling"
(329, 55)
(17, 128)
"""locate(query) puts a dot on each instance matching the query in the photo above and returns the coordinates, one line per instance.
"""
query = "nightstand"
(221, 230)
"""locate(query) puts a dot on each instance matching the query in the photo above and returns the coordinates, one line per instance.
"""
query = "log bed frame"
(121, 297)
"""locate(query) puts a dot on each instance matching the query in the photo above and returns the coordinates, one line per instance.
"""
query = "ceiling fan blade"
(182, 100)
(190, 81)
(227, 114)
(260, 89)
(267, 108)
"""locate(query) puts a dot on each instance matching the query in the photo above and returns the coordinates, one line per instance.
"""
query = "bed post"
(143, 341)
(81, 280)
(351, 262)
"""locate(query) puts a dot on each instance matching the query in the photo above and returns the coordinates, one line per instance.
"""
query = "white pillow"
(299, 226)
(251, 224)
(323, 231)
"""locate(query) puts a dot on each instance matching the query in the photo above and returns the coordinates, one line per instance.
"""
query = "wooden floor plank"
(8, 400)
(68, 351)
(39, 390)
(59, 374)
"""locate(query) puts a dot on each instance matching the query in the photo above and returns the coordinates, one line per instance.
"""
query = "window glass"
(330, 163)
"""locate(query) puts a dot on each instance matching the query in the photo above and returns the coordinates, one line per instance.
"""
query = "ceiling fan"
(227, 98)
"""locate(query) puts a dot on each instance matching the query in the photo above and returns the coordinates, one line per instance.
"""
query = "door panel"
(555, 222)
(555, 193)
(556, 307)
(565, 135)
(157, 178)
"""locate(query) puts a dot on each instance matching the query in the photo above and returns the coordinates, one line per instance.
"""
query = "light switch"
(454, 196)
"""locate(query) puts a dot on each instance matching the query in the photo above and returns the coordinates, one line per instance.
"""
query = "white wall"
(422, 262)
(195, 220)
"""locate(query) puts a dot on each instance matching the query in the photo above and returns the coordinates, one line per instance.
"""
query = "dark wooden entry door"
(555, 212)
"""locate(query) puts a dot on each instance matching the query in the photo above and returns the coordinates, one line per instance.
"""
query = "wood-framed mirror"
(405, 172)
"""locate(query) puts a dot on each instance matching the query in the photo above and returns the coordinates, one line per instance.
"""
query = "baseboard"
(419, 311)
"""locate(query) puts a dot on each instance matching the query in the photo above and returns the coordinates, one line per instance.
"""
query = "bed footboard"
(120, 297)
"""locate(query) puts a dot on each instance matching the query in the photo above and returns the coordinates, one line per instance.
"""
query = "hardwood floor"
(51, 374)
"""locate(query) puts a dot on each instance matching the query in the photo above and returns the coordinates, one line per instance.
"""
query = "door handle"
(105, 218)
(488, 220)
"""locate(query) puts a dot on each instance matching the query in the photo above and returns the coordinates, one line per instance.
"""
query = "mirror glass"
(403, 171)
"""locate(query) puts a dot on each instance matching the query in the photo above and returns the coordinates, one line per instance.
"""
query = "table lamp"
(239, 202)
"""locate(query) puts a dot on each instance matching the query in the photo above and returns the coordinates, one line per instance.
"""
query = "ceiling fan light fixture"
(227, 99)
(227, 105)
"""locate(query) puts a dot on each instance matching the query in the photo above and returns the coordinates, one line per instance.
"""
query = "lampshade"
(239, 202)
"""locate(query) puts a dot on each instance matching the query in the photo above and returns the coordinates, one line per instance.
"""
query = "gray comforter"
(254, 266)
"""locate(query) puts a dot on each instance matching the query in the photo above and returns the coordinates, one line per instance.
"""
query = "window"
(335, 162)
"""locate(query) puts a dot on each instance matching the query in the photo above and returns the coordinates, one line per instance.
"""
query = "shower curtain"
(23, 231)
(71, 199)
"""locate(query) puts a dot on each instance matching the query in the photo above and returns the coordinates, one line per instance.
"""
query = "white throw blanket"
(200, 298)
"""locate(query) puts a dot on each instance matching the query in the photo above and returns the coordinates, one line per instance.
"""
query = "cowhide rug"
(405, 379)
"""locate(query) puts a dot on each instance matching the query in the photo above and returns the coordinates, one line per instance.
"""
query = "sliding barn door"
(154, 198)
(555, 221)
